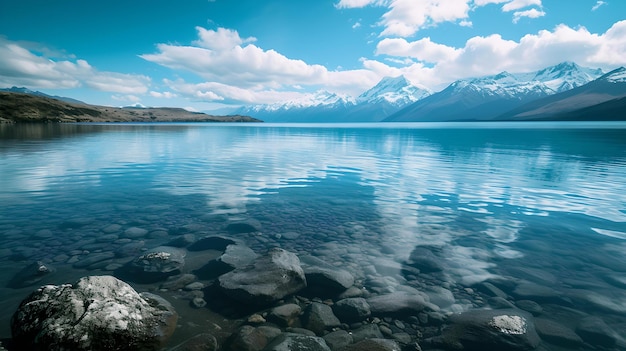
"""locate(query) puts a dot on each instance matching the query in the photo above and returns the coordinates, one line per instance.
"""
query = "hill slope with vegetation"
(27, 108)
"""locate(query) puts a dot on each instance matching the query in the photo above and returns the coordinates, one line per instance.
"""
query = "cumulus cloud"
(163, 95)
(234, 68)
(23, 67)
(404, 18)
(493, 54)
(532, 13)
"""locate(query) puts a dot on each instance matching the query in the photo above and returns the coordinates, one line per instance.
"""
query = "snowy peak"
(397, 91)
(320, 98)
(562, 77)
(615, 76)
(566, 76)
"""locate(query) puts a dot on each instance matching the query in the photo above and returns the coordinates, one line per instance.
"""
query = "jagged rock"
(30, 275)
(373, 345)
(399, 304)
(285, 315)
(324, 278)
(96, 313)
(491, 330)
(211, 243)
(352, 309)
(235, 256)
(269, 278)
(200, 342)
(297, 342)
(319, 317)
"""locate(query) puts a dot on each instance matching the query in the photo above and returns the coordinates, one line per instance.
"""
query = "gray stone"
(491, 290)
(154, 265)
(235, 256)
(530, 306)
(297, 342)
(338, 339)
(134, 233)
(247, 226)
(200, 342)
(500, 303)
(399, 304)
(441, 297)
(94, 258)
(182, 240)
(112, 228)
(249, 338)
(211, 243)
(425, 260)
(557, 334)
(96, 313)
(319, 317)
(368, 331)
(325, 278)
(178, 282)
(285, 315)
(130, 249)
(595, 331)
(270, 278)
(492, 330)
(198, 302)
(352, 310)
(373, 345)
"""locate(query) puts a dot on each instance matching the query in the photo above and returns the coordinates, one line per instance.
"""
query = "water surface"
(521, 204)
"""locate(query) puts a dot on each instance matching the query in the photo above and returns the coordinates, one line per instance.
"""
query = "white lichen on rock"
(509, 324)
(157, 255)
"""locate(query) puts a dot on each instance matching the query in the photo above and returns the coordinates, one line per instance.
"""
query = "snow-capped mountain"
(386, 97)
(396, 91)
(490, 96)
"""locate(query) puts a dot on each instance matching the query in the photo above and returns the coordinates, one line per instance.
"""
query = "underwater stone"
(270, 278)
(297, 342)
(31, 274)
(96, 313)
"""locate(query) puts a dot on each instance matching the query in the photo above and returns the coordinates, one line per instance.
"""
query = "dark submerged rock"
(319, 317)
(285, 315)
(352, 309)
(373, 345)
(491, 330)
(425, 260)
(297, 342)
(324, 279)
(96, 313)
(557, 334)
(249, 338)
(211, 243)
(200, 342)
(269, 278)
(596, 332)
(399, 304)
(30, 275)
(235, 256)
(155, 265)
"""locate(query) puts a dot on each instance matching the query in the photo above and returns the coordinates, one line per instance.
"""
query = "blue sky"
(205, 54)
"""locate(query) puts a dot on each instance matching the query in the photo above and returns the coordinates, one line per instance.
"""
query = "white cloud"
(466, 23)
(493, 54)
(532, 13)
(126, 98)
(406, 17)
(350, 4)
(356, 25)
(520, 4)
(235, 69)
(598, 4)
(163, 95)
(22, 67)
(423, 49)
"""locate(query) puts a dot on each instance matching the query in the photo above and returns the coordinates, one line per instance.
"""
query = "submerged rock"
(154, 265)
(491, 330)
(270, 278)
(323, 278)
(399, 304)
(297, 342)
(352, 309)
(319, 317)
(235, 256)
(211, 243)
(200, 342)
(30, 275)
(96, 313)
(373, 345)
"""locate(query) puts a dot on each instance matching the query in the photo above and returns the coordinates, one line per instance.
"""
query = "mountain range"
(557, 92)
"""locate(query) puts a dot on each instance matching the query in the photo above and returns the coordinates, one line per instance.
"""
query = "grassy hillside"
(24, 108)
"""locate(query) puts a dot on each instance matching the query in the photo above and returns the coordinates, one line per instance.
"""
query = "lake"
(536, 210)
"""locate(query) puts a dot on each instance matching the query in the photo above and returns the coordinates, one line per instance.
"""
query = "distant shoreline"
(26, 108)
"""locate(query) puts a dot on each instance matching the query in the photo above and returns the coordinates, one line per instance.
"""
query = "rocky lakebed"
(229, 284)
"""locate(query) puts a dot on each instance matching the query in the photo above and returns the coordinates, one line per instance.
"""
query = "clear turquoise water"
(540, 203)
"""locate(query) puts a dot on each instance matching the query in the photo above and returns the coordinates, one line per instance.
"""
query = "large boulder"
(269, 278)
(96, 313)
(491, 330)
